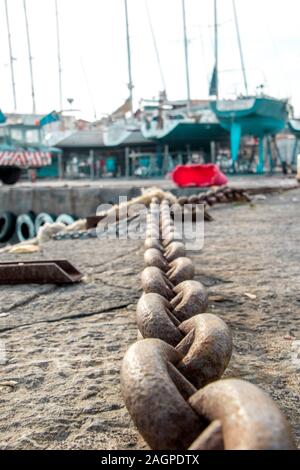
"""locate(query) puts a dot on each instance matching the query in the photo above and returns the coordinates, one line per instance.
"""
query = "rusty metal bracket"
(39, 272)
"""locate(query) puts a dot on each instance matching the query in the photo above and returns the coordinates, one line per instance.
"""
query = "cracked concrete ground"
(62, 347)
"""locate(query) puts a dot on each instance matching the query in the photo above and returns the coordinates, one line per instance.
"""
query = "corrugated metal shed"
(81, 139)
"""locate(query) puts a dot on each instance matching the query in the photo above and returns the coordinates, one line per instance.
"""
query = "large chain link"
(184, 350)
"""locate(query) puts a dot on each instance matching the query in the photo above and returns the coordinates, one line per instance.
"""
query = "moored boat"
(175, 123)
(258, 116)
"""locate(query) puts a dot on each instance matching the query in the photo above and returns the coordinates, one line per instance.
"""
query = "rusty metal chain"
(172, 303)
(219, 196)
(208, 199)
(184, 350)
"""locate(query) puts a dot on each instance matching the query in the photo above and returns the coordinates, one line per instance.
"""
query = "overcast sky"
(94, 60)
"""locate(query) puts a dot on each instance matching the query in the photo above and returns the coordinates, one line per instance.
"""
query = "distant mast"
(240, 46)
(130, 84)
(11, 58)
(59, 57)
(216, 27)
(163, 81)
(186, 55)
(30, 58)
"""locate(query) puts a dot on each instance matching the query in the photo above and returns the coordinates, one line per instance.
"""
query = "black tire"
(10, 175)
(7, 226)
(42, 219)
(65, 219)
(25, 228)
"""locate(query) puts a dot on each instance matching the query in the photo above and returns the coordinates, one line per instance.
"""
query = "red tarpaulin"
(198, 175)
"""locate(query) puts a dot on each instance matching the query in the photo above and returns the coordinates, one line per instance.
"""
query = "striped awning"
(25, 159)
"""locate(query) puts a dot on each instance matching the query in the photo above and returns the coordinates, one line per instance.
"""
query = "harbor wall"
(82, 200)
(79, 201)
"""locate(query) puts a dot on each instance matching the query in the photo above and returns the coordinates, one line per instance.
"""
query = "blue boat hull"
(256, 116)
(193, 134)
(251, 116)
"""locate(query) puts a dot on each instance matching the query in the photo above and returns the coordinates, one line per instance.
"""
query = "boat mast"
(59, 57)
(30, 58)
(156, 48)
(216, 26)
(11, 58)
(130, 84)
(240, 46)
(186, 54)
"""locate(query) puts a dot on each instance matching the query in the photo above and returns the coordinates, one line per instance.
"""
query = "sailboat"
(188, 123)
(122, 124)
(259, 116)
(178, 123)
(122, 127)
